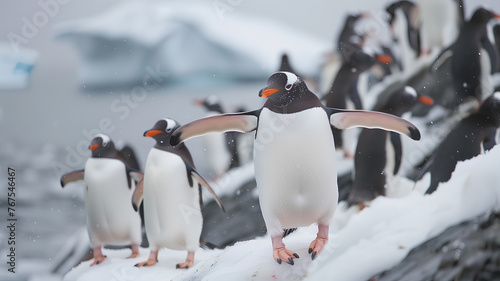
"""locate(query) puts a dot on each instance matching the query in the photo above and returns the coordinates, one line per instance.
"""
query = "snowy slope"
(361, 244)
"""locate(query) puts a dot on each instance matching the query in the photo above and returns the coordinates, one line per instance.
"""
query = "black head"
(482, 16)
(360, 61)
(490, 108)
(405, 6)
(403, 100)
(102, 146)
(211, 103)
(283, 88)
(162, 131)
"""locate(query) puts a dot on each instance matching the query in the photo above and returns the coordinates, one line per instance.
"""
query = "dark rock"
(242, 220)
(468, 251)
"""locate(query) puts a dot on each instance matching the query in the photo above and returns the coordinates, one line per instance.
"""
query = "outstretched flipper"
(204, 183)
(138, 195)
(73, 176)
(239, 122)
(344, 119)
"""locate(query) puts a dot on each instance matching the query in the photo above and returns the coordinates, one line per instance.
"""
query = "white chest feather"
(171, 206)
(110, 216)
(295, 167)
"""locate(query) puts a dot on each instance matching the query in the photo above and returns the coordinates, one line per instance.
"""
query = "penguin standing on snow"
(171, 193)
(440, 22)
(496, 34)
(294, 154)
(371, 160)
(109, 187)
(221, 149)
(465, 52)
(345, 84)
(466, 140)
(404, 26)
(349, 40)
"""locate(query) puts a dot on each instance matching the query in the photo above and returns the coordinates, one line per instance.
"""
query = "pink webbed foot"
(152, 260)
(188, 263)
(283, 254)
(98, 260)
(146, 263)
(316, 246)
(321, 239)
(98, 256)
(135, 251)
(280, 253)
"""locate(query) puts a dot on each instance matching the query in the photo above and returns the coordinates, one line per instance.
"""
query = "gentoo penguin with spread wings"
(294, 155)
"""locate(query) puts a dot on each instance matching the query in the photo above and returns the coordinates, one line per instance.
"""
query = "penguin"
(345, 84)
(496, 35)
(286, 66)
(440, 21)
(221, 149)
(474, 133)
(349, 40)
(371, 162)
(109, 185)
(294, 154)
(404, 27)
(171, 194)
(465, 52)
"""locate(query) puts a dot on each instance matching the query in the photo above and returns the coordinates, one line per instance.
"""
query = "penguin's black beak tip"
(260, 92)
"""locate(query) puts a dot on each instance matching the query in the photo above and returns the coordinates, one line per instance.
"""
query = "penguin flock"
(298, 133)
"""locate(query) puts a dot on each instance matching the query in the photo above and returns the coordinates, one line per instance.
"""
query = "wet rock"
(468, 251)
(242, 220)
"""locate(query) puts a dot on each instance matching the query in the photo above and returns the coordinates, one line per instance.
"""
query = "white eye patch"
(170, 124)
(105, 138)
(290, 78)
(411, 91)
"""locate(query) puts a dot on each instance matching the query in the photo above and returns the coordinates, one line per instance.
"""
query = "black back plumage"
(465, 141)
(370, 158)
(466, 59)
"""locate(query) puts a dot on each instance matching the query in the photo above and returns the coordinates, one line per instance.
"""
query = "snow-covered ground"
(361, 244)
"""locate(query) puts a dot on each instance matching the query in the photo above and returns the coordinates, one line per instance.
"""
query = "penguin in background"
(294, 154)
(109, 185)
(349, 40)
(472, 135)
(171, 194)
(286, 66)
(221, 149)
(496, 35)
(466, 67)
(372, 160)
(440, 22)
(403, 21)
(345, 84)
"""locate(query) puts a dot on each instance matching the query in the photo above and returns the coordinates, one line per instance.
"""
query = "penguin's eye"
(288, 87)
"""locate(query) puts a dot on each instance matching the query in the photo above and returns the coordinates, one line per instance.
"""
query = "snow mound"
(361, 245)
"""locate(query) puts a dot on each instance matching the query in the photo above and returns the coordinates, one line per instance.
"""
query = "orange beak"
(94, 146)
(268, 92)
(426, 100)
(152, 133)
(497, 16)
(383, 58)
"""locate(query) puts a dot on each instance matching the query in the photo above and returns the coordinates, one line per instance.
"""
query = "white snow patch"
(361, 245)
